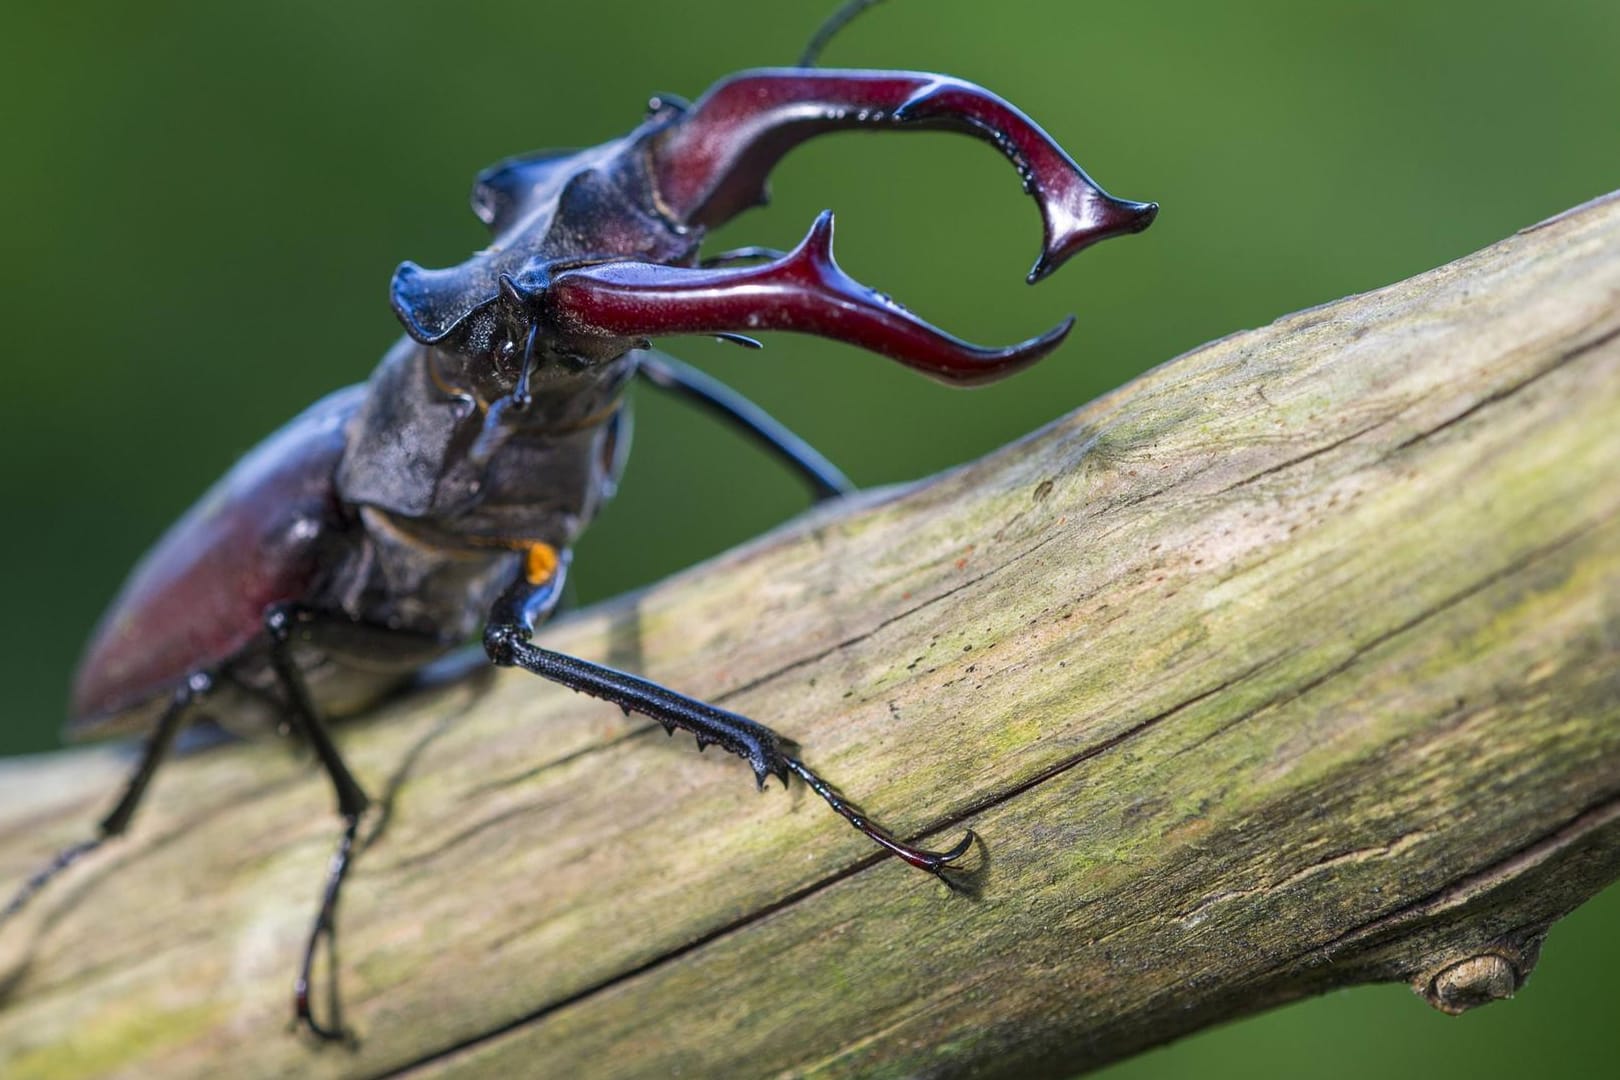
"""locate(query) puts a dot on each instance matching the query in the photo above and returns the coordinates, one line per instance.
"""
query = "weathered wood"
(1291, 664)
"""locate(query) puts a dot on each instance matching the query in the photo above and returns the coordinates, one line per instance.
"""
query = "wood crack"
(1498, 396)
(1191, 917)
(1326, 448)
(1604, 814)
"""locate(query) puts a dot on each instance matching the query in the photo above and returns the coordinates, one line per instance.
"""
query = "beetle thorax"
(429, 445)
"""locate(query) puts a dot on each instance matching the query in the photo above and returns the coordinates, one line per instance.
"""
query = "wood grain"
(1290, 665)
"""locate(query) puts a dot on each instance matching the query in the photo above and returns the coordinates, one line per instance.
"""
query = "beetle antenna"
(829, 29)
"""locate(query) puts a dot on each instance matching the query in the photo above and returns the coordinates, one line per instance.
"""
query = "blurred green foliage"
(204, 203)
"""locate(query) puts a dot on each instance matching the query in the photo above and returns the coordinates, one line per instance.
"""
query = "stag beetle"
(396, 520)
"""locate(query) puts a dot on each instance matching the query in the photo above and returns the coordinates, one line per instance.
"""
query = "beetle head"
(485, 317)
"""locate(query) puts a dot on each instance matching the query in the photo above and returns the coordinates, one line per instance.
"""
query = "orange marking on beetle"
(539, 563)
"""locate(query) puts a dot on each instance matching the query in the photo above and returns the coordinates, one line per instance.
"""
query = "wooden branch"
(1292, 664)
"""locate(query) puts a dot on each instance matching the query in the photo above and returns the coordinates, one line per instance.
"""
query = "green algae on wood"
(1290, 665)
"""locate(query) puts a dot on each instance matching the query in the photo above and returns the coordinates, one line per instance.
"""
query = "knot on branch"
(1493, 974)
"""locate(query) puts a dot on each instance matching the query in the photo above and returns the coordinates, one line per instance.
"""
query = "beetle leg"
(667, 373)
(712, 162)
(805, 291)
(352, 803)
(117, 821)
(935, 862)
(507, 641)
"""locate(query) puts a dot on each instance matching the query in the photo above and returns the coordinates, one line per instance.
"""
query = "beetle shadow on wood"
(469, 668)
(466, 667)
(60, 902)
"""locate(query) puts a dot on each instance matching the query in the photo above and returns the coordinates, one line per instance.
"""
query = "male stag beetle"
(393, 521)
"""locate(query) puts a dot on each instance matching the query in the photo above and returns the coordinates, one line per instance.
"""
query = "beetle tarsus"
(933, 862)
(325, 929)
(59, 862)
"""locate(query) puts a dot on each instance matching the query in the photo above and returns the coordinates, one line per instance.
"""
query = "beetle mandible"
(395, 520)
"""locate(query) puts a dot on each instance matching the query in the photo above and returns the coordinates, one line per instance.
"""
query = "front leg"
(507, 640)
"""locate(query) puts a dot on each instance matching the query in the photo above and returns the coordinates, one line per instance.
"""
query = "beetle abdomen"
(198, 597)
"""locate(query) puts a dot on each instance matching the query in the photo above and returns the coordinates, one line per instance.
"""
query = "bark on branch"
(1290, 665)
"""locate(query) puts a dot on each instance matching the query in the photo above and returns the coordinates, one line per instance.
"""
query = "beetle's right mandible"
(713, 161)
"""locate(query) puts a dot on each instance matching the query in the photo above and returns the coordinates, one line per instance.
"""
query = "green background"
(203, 203)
